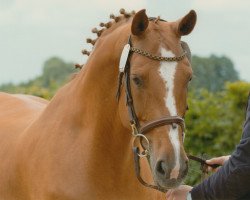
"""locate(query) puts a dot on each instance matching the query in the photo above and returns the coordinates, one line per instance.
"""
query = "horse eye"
(137, 80)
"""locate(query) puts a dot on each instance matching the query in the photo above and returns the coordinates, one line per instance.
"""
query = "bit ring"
(145, 152)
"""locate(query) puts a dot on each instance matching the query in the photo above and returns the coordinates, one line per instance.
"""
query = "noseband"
(139, 131)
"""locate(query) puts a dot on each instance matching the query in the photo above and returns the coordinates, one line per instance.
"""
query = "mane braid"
(157, 19)
(115, 19)
(106, 26)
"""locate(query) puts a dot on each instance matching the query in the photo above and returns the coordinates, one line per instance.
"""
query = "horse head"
(159, 89)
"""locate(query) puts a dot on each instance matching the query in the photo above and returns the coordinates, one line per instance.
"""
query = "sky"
(31, 31)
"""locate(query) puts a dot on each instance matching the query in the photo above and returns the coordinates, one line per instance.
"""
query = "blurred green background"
(217, 102)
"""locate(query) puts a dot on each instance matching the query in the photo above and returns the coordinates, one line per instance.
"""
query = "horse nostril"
(161, 168)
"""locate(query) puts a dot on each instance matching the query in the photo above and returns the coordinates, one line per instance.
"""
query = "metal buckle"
(144, 153)
(134, 129)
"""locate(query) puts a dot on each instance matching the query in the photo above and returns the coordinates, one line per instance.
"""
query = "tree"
(214, 122)
(56, 72)
(213, 72)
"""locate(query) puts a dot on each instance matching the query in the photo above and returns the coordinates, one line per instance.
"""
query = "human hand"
(218, 160)
(179, 193)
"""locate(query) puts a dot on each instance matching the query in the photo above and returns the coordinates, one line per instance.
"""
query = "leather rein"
(139, 131)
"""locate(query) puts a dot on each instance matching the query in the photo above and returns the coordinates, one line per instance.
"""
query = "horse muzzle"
(168, 176)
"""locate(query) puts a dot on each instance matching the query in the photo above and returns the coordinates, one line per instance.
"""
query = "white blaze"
(167, 71)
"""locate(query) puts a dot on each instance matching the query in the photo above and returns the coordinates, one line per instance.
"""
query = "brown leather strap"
(203, 166)
(162, 122)
(138, 172)
(129, 99)
(118, 93)
(202, 161)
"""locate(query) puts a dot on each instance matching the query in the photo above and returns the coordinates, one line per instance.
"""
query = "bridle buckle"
(134, 129)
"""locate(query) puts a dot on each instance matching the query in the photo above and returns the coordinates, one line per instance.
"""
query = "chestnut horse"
(78, 146)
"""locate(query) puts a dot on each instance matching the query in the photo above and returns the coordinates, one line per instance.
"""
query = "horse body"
(78, 146)
(75, 161)
(17, 113)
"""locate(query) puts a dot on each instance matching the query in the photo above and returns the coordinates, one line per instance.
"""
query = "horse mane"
(105, 29)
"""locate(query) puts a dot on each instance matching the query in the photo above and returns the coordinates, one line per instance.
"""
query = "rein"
(202, 161)
(203, 165)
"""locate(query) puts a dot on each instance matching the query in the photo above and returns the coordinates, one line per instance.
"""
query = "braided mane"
(115, 20)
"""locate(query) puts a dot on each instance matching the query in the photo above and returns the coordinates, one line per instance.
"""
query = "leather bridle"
(139, 131)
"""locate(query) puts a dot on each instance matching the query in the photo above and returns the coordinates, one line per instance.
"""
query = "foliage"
(55, 73)
(212, 72)
(214, 121)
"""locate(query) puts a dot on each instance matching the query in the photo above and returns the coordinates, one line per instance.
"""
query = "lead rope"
(203, 165)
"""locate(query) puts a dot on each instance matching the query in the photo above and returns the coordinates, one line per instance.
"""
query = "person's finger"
(218, 160)
(211, 169)
(168, 193)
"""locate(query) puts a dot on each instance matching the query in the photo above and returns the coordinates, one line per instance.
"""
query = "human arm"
(232, 179)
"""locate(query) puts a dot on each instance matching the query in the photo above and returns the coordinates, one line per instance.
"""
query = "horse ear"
(139, 23)
(187, 23)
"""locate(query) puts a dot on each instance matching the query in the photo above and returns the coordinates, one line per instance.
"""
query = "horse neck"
(110, 140)
(90, 103)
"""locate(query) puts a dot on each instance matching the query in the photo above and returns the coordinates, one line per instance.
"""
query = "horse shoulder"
(17, 111)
